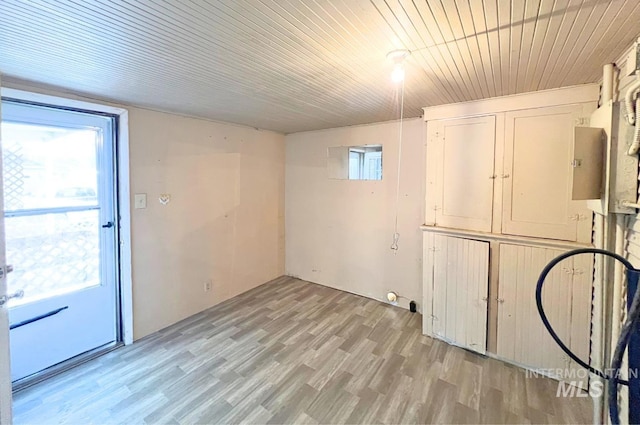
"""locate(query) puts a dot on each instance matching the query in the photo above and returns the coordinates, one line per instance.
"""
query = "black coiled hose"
(625, 333)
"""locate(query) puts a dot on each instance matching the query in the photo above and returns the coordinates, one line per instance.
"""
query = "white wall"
(225, 221)
(339, 232)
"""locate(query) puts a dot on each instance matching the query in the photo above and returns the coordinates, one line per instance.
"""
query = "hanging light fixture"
(398, 57)
(397, 76)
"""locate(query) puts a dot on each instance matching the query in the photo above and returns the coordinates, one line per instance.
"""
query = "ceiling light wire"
(396, 234)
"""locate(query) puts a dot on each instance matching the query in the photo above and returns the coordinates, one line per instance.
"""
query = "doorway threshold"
(62, 367)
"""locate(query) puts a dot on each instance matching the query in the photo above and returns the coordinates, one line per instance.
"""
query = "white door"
(60, 227)
(5, 371)
(460, 289)
(537, 198)
(566, 297)
(460, 172)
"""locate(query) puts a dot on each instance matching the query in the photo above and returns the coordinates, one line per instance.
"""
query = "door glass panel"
(52, 217)
(48, 167)
(53, 253)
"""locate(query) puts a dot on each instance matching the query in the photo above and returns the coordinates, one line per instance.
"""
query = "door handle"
(5, 298)
(108, 225)
(35, 319)
(5, 270)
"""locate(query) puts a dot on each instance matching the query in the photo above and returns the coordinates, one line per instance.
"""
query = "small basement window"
(365, 163)
(355, 162)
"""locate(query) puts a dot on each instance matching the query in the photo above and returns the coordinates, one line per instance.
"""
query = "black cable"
(616, 363)
(543, 315)
(625, 333)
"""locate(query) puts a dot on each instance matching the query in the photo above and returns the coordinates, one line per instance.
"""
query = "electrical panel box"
(588, 163)
(633, 60)
(620, 170)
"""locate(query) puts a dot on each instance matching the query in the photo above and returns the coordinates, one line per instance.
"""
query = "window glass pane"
(354, 165)
(49, 167)
(355, 162)
(373, 165)
(52, 254)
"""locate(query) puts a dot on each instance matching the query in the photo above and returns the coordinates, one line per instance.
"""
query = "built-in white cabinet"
(480, 294)
(458, 290)
(537, 191)
(521, 336)
(499, 206)
(507, 172)
(461, 180)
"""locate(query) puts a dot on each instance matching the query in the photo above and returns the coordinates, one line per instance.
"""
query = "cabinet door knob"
(500, 300)
(505, 176)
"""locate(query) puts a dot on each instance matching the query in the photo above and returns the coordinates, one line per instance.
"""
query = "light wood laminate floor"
(295, 352)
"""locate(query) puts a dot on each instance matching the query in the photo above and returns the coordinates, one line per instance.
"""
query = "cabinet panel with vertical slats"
(566, 297)
(460, 288)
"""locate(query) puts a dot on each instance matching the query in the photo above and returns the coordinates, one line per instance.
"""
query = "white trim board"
(126, 281)
(6, 402)
(555, 97)
(503, 238)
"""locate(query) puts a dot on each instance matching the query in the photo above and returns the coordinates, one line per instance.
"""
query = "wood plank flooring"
(295, 352)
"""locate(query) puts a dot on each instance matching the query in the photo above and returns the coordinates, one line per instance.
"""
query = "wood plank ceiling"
(289, 65)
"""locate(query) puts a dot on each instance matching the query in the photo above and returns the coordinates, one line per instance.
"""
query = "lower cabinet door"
(460, 286)
(522, 337)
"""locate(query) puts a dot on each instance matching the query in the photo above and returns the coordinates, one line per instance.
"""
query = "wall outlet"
(207, 285)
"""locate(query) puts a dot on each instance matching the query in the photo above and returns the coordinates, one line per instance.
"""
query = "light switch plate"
(140, 201)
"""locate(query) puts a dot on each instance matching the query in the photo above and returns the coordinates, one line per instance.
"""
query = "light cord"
(396, 234)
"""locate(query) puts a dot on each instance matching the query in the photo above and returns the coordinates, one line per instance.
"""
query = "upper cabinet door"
(537, 174)
(460, 173)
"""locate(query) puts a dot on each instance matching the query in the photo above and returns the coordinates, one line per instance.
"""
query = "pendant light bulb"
(398, 57)
(397, 75)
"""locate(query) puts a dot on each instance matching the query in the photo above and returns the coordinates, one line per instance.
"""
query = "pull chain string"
(396, 234)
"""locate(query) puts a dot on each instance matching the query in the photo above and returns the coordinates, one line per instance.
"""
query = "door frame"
(6, 399)
(124, 302)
